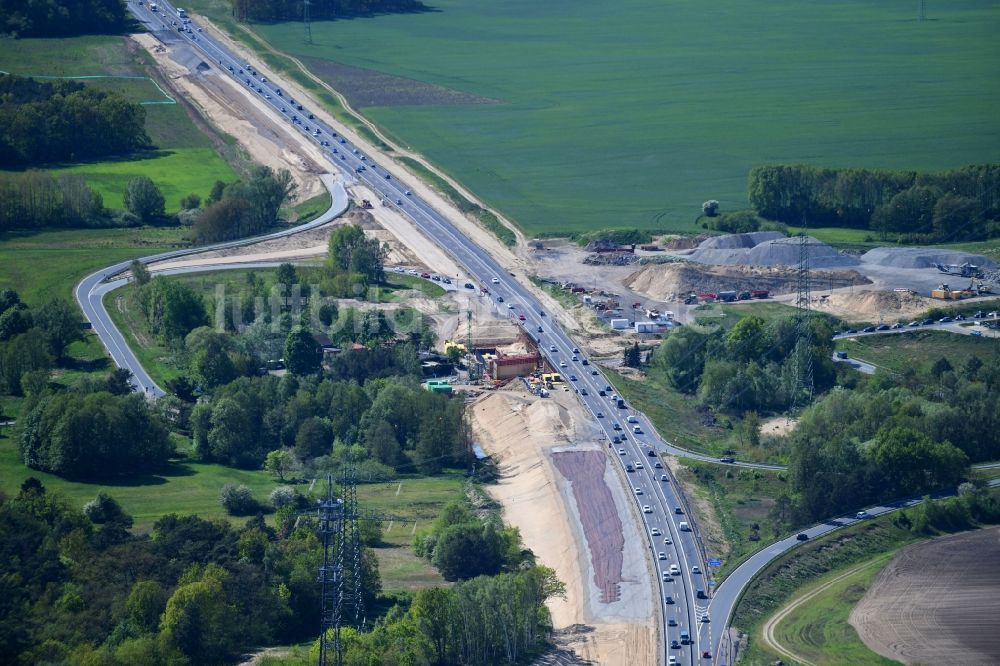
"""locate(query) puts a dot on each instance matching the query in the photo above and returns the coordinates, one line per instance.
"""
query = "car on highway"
(675, 570)
(927, 322)
(727, 459)
(671, 622)
(583, 391)
(621, 452)
(898, 325)
(399, 202)
(638, 465)
(850, 331)
(540, 330)
(638, 491)
(575, 358)
(868, 329)
(704, 617)
(600, 415)
(495, 280)
(520, 317)
(667, 541)
(663, 477)
(861, 515)
(661, 555)
(616, 440)
(705, 654)
(594, 373)
(944, 320)
(651, 453)
(882, 327)
(617, 426)
(677, 510)
(655, 531)
(552, 348)
(674, 645)
(695, 569)
(658, 465)
(572, 378)
(407, 192)
(668, 599)
(646, 508)
(562, 364)
(672, 660)
(801, 536)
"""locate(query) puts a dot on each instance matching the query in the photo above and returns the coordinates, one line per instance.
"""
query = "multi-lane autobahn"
(658, 501)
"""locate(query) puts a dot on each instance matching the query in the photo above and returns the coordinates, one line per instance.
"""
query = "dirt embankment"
(576, 518)
(937, 602)
(871, 305)
(670, 282)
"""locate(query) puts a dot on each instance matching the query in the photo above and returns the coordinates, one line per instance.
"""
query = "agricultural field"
(547, 113)
(185, 160)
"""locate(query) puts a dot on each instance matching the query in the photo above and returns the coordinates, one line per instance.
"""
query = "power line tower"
(305, 20)
(341, 598)
(802, 392)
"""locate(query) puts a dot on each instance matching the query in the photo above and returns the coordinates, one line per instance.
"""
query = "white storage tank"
(619, 324)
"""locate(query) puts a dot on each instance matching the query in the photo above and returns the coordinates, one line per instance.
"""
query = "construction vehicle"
(366, 204)
(946, 293)
(653, 313)
(760, 293)
(961, 270)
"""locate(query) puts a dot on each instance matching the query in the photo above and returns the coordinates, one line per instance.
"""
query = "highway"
(658, 489)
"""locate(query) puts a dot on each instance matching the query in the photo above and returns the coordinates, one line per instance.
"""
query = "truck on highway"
(683, 526)
(632, 419)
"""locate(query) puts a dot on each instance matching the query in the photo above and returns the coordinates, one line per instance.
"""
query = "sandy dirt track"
(937, 602)
(525, 435)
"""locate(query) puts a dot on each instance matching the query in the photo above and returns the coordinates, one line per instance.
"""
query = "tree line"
(956, 205)
(285, 10)
(243, 208)
(33, 340)
(42, 122)
(61, 18)
(895, 435)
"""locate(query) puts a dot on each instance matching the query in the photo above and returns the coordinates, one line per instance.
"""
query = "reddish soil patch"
(366, 87)
(937, 602)
(599, 516)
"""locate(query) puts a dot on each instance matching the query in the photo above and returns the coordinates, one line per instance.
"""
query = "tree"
(14, 321)
(23, 354)
(144, 199)
(283, 496)
(633, 357)
(119, 382)
(277, 463)
(190, 202)
(303, 355)
(196, 621)
(314, 438)
(911, 462)
(351, 252)
(237, 500)
(213, 366)
(60, 324)
(140, 274)
(145, 604)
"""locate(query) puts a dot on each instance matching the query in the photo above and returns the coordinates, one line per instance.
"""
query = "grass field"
(45, 264)
(578, 116)
(818, 630)
(898, 352)
(742, 498)
(185, 160)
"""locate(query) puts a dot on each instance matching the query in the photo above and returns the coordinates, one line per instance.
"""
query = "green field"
(46, 264)
(576, 116)
(186, 160)
(899, 352)
(818, 630)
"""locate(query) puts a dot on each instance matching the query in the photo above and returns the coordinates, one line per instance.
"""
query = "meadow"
(185, 160)
(896, 353)
(589, 115)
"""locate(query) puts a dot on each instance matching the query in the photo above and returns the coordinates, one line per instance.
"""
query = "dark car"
(896, 325)
(727, 459)
(469, 285)
(601, 392)
(616, 439)
(651, 453)
(585, 362)
(882, 327)
(678, 510)
(674, 645)
(540, 330)
(927, 322)
(850, 331)
(801, 536)
(868, 329)
(944, 320)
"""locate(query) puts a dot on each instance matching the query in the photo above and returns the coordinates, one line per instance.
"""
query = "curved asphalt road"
(91, 289)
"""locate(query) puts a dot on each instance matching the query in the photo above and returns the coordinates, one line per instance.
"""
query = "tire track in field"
(771, 625)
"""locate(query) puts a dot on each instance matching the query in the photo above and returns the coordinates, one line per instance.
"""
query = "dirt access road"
(937, 602)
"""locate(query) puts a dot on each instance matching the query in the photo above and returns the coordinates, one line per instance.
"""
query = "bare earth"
(558, 490)
(937, 602)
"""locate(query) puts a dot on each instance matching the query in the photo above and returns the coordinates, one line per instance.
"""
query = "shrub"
(237, 500)
(283, 496)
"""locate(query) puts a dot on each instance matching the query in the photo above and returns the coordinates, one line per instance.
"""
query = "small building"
(325, 343)
(504, 366)
(619, 324)
(646, 327)
(438, 386)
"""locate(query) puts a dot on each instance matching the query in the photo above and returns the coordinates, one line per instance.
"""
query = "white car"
(621, 452)
(646, 508)
(675, 570)
(695, 569)
(510, 306)
(638, 465)
(552, 348)
(663, 477)
(638, 491)
(667, 541)
(704, 617)
(661, 556)
(655, 531)
(495, 280)
(562, 364)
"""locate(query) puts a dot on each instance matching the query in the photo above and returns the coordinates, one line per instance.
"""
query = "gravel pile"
(922, 257)
(737, 241)
(769, 248)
